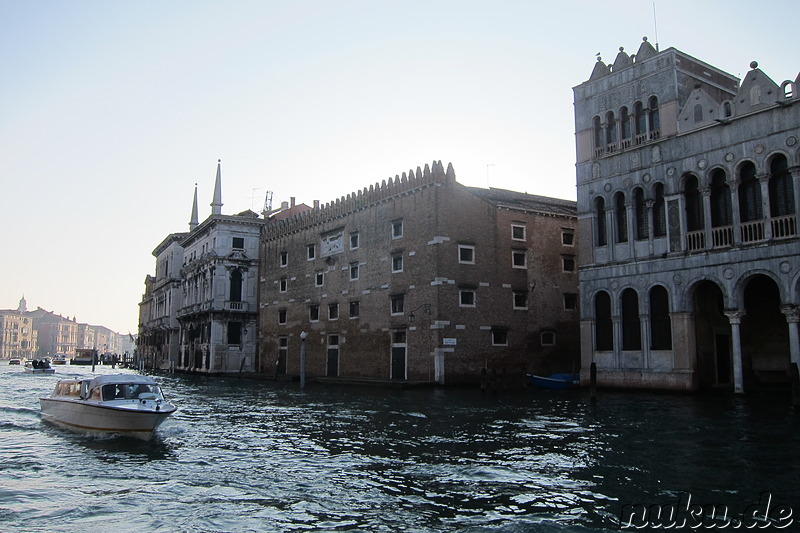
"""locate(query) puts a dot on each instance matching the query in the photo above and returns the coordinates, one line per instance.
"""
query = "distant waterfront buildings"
(42, 334)
(688, 190)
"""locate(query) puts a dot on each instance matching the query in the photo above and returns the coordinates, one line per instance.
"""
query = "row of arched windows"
(748, 198)
(631, 333)
(644, 218)
(640, 125)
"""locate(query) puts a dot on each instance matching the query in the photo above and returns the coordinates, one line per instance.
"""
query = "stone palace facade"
(688, 189)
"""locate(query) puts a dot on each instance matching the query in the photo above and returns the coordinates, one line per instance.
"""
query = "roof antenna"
(655, 23)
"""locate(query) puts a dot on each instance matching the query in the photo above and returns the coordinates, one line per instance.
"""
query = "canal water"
(248, 456)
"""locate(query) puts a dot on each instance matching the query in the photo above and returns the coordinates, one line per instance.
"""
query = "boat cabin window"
(128, 391)
(68, 388)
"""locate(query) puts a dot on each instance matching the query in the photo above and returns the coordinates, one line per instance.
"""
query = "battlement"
(400, 185)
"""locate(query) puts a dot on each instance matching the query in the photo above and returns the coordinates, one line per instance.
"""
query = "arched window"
(625, 123)
(720, 200)
(749, 194)
(600, 218)
(236, 286)
(621, 215)
(604, 328)
(781, 193)
(698, 113)
(598, 133)
(611, 128)
(642, 229)
(659, 211)
(660, 324)
(641, 118)
(694, 205)
(654, 120)
(631, 329)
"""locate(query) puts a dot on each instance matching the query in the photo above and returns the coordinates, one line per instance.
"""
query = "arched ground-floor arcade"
(697, 329)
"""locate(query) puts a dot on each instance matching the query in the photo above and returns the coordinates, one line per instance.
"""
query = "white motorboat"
(39, 366)
(123, 404)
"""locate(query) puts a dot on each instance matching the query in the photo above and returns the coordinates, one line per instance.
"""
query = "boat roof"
(120, 378)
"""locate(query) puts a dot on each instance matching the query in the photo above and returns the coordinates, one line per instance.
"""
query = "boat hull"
(30, 370)
(90, 418)
(554, 381)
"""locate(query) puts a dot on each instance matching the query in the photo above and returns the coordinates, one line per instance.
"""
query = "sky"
(112, 111)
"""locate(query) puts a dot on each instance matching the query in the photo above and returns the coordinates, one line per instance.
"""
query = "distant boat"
(59, 359)
(555, 381)
(122, 404)
(84, 356)
(15, 361)
(39, 366)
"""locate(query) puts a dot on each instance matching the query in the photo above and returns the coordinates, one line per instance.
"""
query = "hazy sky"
(113, 110)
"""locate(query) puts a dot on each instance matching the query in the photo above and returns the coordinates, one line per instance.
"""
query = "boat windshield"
(130, 391)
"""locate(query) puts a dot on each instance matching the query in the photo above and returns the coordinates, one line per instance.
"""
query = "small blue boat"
(554, 381)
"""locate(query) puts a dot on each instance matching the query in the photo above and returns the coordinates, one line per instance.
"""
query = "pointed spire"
(23, 305)
(216, 204)
(193, 222)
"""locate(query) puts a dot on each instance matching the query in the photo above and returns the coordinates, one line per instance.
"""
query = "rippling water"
(245, 455)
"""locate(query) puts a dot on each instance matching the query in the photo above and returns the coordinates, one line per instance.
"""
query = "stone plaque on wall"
(674, 223)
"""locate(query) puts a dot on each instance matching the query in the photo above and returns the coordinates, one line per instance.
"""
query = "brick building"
(422, 279)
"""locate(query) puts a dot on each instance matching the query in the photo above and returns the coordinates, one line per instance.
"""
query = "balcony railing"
(783, 227)
(752, 231)
(722, 236)
(696, 240)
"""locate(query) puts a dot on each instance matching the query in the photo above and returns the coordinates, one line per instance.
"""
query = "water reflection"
(245, 455)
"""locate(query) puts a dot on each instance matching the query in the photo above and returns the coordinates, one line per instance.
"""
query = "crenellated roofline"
(400, 185)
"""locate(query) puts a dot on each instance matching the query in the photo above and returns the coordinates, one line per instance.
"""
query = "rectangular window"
(283, 285)
(570, 301)
(313, 313)
(333, 311)
(234, 332)
(281, 316)
(466, 254)
(569, 263)
(466, 298)
(517, 232)
(319, 279)
(283, 259)
(499, 337)
(399, 337)
(312, 252)
(520, 299)
(397, 304)
(567, 238)
(397, 229)
(397, 263)
(548, 338)
(354, 309)
(353, 271)
(354, 242)
(238, 243)
(518, 258)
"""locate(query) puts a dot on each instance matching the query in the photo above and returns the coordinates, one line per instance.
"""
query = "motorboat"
(120, 404)
(15, 361)
(554, 381)
(59, 359)
(39, 366)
